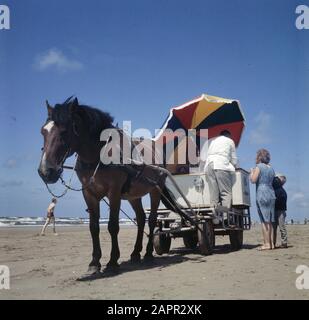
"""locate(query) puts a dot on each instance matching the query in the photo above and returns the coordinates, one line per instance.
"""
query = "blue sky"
(136, 59)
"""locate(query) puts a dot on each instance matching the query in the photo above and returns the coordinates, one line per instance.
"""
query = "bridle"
(68, 185)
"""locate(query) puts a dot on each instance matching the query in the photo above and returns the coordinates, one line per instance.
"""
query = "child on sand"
(50, 217)
(280, 210)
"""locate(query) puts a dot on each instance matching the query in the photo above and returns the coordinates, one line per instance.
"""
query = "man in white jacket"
(221, 161)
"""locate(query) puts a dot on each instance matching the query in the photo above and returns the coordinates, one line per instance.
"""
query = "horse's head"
(58, 134)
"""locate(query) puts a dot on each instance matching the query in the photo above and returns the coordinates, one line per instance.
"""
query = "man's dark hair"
(225, 133)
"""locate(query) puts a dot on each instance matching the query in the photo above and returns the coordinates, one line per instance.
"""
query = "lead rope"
(66, 190)
(56, 195)
(67, 186)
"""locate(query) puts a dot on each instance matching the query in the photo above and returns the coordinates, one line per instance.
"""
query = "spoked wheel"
(161, 242)
(190, 240)
(236, 239)
(206, 237)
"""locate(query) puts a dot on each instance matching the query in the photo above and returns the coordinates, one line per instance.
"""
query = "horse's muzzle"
(49, 175)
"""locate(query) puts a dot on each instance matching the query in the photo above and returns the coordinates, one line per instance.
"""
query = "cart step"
(182, 229)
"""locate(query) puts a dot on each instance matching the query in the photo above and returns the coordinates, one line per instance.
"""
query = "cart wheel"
(161, 242)
(206, 237)
(236, 239)
(190, 240)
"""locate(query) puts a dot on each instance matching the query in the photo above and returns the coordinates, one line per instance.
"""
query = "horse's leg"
(113, 226)
(155, 197)
(94, 216)
(140, 218)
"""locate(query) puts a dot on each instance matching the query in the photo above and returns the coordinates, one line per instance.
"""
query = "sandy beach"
(47, 268)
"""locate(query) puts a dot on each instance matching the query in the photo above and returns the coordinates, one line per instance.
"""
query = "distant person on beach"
(50, 217)
(221, 161)
(263, 175)
(280, 210)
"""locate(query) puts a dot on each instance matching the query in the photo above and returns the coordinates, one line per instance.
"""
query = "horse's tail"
(170, 202)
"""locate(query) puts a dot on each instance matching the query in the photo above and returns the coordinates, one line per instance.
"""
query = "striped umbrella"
(205, 112)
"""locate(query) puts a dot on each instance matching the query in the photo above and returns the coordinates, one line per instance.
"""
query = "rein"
(91, 180)
(68, 185)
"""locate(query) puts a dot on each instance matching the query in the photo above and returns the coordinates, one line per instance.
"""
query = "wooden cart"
(204, 221)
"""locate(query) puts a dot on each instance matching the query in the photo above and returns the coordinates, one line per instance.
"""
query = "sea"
(40, 221)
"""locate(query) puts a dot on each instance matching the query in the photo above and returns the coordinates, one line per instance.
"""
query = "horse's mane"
(96, 120)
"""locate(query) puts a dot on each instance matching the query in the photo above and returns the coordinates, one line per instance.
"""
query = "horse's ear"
(73, 105)
(49, 109)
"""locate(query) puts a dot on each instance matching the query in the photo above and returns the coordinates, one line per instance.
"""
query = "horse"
(73, 128)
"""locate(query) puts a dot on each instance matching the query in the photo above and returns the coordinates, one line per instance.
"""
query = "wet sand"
(47, 267)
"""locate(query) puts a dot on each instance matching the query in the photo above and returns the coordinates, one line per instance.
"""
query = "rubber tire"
(236, 239)
(161, 242)
(190, 240)
(206, 237)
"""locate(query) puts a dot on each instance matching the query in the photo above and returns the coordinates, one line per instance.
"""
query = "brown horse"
(72, 128)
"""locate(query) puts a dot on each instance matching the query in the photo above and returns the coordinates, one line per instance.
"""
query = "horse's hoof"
(111, 268)
(94, 269)
(135, 258)
(92, 274)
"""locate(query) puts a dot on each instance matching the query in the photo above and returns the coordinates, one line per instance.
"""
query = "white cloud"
(261, 133)
(55, 58)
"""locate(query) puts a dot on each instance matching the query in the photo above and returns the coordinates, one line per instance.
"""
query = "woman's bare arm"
(254, 175)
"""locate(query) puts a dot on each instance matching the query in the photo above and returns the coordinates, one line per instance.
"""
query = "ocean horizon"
(19, 221)
(60, 221)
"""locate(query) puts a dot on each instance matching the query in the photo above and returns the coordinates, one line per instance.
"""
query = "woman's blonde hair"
(263, 156)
